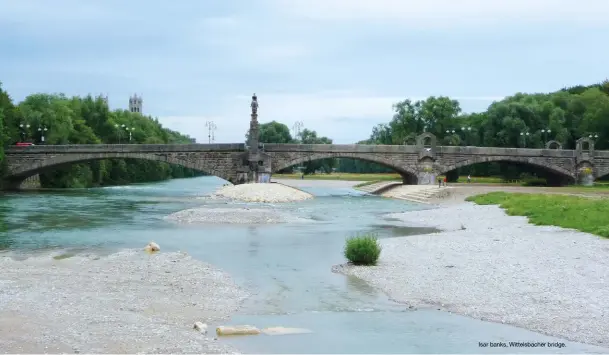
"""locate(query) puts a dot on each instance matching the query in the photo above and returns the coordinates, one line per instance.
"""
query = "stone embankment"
(378, 187)
(267, 193)
(414, 193)
(494, 267)
(418, 193)
(128, 302)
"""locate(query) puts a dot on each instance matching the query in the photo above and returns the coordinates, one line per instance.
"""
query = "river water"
(287, 267)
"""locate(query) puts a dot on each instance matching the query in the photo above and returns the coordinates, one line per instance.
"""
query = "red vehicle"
(23, 144)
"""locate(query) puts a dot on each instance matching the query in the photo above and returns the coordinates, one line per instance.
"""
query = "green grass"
(584, 214)
(362, 250)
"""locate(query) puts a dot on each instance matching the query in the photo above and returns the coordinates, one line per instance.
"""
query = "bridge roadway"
(416, 163)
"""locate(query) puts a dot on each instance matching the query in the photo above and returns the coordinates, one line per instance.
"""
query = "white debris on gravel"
(269, 193)
(499, 268)
(205, 215)
(128, 302)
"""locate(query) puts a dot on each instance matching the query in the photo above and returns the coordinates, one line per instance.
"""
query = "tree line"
(58, 119)
(520, 120)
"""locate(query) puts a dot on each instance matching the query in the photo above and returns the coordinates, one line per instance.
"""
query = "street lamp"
(524, 137)
(130, 130)
(449, 131)
(118, 131)
(24, 128)
(465, 130)
(545, 133)
(211, 127)
(593, 136)
(297, 127)
(42, 131)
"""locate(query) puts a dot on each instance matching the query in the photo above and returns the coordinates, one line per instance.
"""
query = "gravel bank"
(126, 302)
(269, 193)
(501, 269)
(204, 215)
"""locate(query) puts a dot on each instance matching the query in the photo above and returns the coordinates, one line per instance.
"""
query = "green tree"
(87, 120)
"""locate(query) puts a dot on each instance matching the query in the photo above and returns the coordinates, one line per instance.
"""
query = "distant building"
(135, 104)
(193, 140)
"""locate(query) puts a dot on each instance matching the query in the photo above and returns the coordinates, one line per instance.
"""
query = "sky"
(337, 66)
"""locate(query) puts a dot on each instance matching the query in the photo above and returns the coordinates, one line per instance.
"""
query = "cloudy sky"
(335, 65)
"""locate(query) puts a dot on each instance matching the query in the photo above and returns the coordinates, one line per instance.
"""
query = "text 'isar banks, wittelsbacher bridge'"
(254, 162)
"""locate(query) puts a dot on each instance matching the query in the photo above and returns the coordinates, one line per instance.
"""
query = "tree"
(87, 120)
(274, 132)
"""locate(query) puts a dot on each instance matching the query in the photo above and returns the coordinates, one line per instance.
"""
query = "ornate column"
(254, 129)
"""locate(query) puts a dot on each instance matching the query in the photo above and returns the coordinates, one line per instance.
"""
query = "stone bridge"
(419, 163)
(238, 163)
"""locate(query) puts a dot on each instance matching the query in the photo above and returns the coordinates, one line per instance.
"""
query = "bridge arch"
(520, 160)
(408, 173)
(220, 164)
(553, 145)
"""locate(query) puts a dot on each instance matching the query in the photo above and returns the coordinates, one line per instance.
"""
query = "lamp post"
(130, 131)
(297, 127)
(449, 131)
(524, 136)
(24, 130)
(211, 127)
(119, 129)
(42, 130)
(466, 130)
(546, 133)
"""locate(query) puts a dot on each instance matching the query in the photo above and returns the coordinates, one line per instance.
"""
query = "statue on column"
(254, 105)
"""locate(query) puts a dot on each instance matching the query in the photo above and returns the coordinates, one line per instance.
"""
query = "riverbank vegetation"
(58, 119)
(581, 213)
(362, 250)
(520, 120)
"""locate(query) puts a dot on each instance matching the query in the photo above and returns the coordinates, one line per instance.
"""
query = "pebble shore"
(498, 268)
(126, 302)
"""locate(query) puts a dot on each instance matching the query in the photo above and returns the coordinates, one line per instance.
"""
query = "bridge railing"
(126, 148)
(468, 150)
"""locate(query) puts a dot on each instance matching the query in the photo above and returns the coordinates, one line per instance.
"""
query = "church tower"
(135, 104)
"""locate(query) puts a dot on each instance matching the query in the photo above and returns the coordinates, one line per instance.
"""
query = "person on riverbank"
(469, 179)
(439, 182)
(445, 181)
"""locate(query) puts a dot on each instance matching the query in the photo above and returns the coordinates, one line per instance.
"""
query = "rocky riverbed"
(126, 302)
(494, 267)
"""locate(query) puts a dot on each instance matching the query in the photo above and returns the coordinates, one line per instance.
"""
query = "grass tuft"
(363, 250)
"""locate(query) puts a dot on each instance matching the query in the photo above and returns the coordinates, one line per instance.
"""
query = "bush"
(363, 250)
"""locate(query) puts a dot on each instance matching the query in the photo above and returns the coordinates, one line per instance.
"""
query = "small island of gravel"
(209, 215)
(267, 193)
(122, 303)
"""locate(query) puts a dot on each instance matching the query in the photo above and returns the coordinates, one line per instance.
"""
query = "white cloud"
(446, 13)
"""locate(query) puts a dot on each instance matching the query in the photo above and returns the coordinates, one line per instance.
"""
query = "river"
(287, 267)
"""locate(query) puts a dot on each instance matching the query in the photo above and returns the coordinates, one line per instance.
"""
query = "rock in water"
(237, 330)
(200, 326)
(152, 247)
